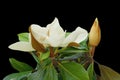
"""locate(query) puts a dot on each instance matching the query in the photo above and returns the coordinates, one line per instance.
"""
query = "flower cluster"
(60, 55)
(50, 36)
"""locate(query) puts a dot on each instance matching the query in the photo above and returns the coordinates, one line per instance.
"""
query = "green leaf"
(90, 71)
(35, 57)
(37, 75)
(73, 71)
(44, 71)
(60, 76)
(17, 76)
(107, 73)
(44, 55)
(23, 36)
(20, 66)
(84, 44)
(50, 73)
(72, 57)
(72, 50)
(46, 62)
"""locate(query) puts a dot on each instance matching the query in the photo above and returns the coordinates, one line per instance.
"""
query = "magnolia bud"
(95, 34)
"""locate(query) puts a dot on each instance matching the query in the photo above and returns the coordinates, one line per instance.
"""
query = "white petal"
(21, 46)
(55, 28)
(82, 35)
(76, 36)
(56, 34)
(29, 36)
(39, 33)
(55, 41)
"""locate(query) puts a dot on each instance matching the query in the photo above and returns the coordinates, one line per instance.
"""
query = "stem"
(54, 63)
(87, 60)
(51, 52)
(92, 50)
(35, 57)
(96, 62)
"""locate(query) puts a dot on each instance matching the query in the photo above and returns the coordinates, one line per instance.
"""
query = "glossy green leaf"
(20, 66)
(50, 73)
(107, 73)
(60, 76)
(37, 75)
(72, 57)
(23, 36)
(44, 71)
(84, 44)
(90, 71)
(17, 76)
(46, 62)
(44, 55)
(72, 50)
(73, 71)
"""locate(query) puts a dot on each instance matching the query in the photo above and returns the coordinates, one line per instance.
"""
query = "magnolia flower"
(52, 35)
(94, 37)
(95, 34)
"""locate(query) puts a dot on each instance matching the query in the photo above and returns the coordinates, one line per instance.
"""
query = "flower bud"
(95, 34)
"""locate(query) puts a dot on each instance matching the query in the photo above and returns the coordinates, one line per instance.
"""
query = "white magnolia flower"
(52, 35)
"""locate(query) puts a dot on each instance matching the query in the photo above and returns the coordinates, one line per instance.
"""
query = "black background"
(16, 20)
